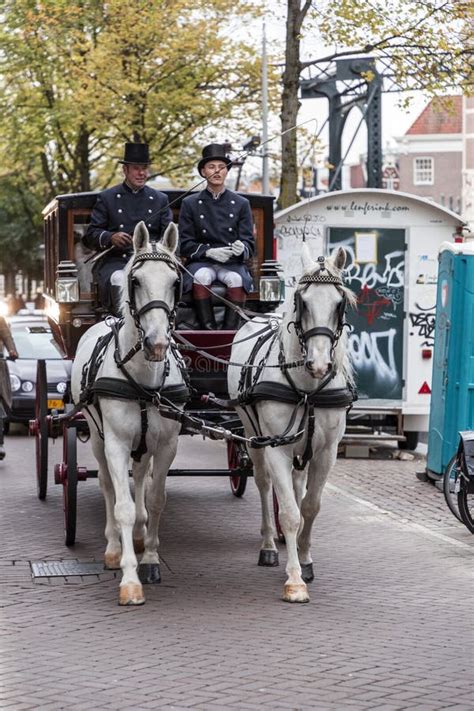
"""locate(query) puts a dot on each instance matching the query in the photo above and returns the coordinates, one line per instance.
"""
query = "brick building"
(430, 154)
(432, 160)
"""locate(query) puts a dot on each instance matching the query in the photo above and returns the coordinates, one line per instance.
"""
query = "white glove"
(220, 254)
(237, 248)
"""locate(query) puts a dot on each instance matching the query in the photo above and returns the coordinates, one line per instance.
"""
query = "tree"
(20, 231)
(423, 43)
(80, 77)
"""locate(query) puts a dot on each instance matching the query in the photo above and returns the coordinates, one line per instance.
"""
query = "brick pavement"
(388, 626)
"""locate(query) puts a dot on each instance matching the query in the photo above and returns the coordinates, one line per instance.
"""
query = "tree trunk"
(290, 104)
(83, 161)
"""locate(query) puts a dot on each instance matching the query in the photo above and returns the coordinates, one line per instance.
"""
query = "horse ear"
(306, 259)
(141, 236)
(170, 238)
(339, 258)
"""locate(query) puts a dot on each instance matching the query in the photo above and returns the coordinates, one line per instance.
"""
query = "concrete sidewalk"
(389, 625)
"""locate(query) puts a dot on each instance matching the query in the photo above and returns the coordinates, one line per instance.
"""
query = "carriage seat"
(186, 317)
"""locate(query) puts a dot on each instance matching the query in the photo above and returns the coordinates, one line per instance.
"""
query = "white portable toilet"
(392, 241)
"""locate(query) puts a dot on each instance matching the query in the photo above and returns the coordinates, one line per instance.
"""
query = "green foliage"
(80, 77)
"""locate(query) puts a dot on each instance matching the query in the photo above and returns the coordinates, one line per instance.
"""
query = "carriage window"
(80, 221)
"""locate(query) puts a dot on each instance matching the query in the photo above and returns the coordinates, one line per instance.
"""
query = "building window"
(423, 171)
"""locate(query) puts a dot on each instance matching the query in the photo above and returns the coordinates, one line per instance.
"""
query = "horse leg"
(141, 474)
(268, 551)
(149, 569)
(117, 453)
(113, 550)
(318, 472)
(299, 484)
(279, 463)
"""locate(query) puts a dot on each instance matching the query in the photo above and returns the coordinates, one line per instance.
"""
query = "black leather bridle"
(136, 314)
(155, 256)
(321, 276)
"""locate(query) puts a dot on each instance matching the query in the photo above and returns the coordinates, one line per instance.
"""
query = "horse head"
(152, 289)
(320, 302)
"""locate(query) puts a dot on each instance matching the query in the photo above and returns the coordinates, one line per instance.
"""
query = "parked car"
(34, 341)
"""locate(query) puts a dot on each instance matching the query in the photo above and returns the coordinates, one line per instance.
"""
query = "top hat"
(136, 153)
(214, 151)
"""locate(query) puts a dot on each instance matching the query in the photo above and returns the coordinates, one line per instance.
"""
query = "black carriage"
(72, 306)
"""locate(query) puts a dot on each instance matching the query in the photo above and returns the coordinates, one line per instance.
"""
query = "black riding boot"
(232, 318)
(205, 314)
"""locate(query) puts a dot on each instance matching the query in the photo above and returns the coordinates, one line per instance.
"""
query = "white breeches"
(208, 275)
(116, 278)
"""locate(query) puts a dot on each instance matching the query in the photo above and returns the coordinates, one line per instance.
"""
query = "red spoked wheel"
(276, 513)
(69, 483)
(40, 430)
(238, 459)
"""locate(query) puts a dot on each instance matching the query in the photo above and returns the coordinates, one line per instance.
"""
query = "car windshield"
(35, 342)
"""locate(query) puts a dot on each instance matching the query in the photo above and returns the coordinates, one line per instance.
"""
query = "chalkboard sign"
(376, 274)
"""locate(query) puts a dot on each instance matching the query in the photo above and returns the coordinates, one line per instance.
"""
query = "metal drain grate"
(65, 568)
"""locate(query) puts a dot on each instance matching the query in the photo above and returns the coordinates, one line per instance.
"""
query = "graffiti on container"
(393, 294)
(371, 305)
(374, 353)
(388, 273)
(423, 323)
(301, 226)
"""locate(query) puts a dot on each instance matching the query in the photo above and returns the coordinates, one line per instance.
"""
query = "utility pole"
(265, 177)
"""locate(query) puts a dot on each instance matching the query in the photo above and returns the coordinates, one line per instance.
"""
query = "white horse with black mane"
(292, 398)
(121, 372)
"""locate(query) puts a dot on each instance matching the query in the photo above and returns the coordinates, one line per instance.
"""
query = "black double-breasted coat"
(120, 209)
(206, 222)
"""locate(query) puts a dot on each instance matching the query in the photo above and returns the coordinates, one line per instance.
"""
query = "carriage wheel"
(41, 433)
(465, 503)
(450, 486)
(238, 483)
(70, 484)
(276, 513)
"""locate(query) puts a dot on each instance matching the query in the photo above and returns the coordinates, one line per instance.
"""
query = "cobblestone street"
(389, 625)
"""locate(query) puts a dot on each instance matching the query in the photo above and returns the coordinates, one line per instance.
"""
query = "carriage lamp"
(15, 383)
(27, 386)
(272, 283)
(67, 282)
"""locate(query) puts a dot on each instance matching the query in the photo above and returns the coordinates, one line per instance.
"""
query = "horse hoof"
(131, 594)
(295, 593)
(268, 558)
(307, 572)
(138, 545)
(112, 561)
(149, 573)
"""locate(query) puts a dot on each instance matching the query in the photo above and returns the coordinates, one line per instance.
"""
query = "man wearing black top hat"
(216, 237)
(114, 217)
